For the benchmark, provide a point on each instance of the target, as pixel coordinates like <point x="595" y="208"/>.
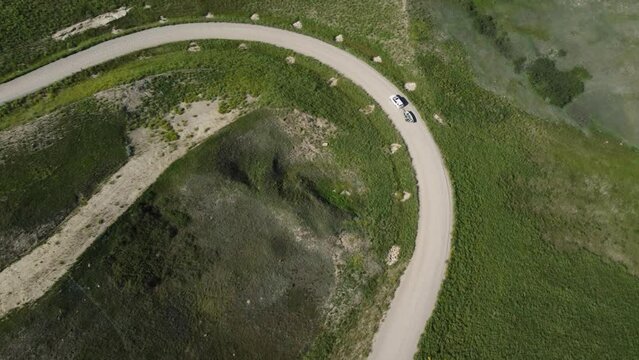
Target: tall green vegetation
<point x="558" y="87"/>
<point x="487" y="26"/>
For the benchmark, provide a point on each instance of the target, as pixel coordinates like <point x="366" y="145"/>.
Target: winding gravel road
<point x="414" y="300"/>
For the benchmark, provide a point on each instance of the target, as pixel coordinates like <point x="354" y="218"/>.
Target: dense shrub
<point x="558" y="87"/>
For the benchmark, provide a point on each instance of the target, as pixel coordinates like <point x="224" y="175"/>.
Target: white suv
<point x="398" y="101"/>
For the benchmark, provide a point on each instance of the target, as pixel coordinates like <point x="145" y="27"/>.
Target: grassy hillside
<point x="249" y="244"/>
<point x="503" y="37"/>
<point x="52" y="165"/>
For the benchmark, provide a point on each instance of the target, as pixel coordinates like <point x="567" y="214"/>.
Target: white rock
<point x="393" y="255"/>
<point x="194" y="47"/>
<point x="377" y="59"/>
<point x="410" y="86"/>
<point x="332" y="82"/>
<point x="116" y="31"/>
<point x="438" y="118"/>
<point x="297" y="24"/>
<point x="209" y="15"/>
<point x="242" y="46"/>
<point x="368" y="109"/>
<point x="147" y="7"/>
<point x="394" y="147"/>
<point x="255" y="17"/>
<point x="339" y="38"/>
<point x="290" y="60"/>
<point x="405" y="196"/>
<point x="163" y="20"/>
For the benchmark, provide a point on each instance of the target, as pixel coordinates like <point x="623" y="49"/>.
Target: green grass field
<point x="221" y="226"/>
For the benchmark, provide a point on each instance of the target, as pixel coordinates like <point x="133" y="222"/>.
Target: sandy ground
<point x="416" y="295"/>
<point x="95" y="22"/>
<point x="31" y="276"/>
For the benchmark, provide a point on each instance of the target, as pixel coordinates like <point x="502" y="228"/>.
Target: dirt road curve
<point x="415" y="298"/>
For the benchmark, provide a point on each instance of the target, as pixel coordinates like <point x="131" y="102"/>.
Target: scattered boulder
<point x="332" y="82"/>
<point x="438" y="118"/>
<point x="163" y="20"/>
<point x="116" y="31"/>
<point x="146" y="7"/>
<point x="339" y="38"/>
<point x="377" y="59"/>
<point x="393" y="255"/>
<point x="255" y="17"/>
<point x="368" y="109"/>
<point x="209" y="15"/>
<point x="290" y="60"/>
<point x="194" y="47"/>
<point x="394" y="147"/>
<point x="405" y="196"/>
<point x="242" y="46"/>
<point x="297" y="24"/>
<point x="410" y="86"/>
<point x="345" y="193"/>
<point x="324" y="144"/>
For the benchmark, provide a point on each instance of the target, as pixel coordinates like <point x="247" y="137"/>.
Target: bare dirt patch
<point x="130" y="95"/>
<point x="312" y="131"/>
<point x="34" y="135"/>
<point x="95" y="22"/>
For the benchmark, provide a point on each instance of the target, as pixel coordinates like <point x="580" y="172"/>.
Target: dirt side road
<point x="414" y="301"/>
